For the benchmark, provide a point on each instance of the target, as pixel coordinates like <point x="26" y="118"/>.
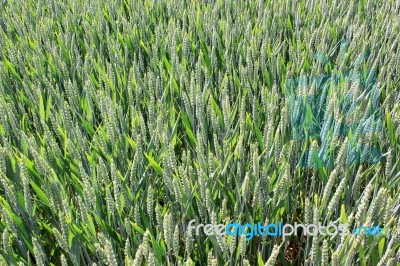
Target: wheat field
<point x="121" y="121"/>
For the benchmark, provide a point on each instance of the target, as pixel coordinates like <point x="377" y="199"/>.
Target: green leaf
<point x="11" y="67"/>
<point x="390" y="129"/>
<point x="167" y="64"/>
<point x="259" y="259"/>
<point x="153" y="164"/>
<point x="71" y="237"/>
<point x="159" y="250"/>
<point x="381" y="246"/>
<point x="361" y="253"/>
<point x="188" y="129"/>
<point x="90" y="225"/>
<point x="343" y="216"/>
<point x="42" y="113"/>
<point x="137" y="228"/>
<point x="39" y="193"/>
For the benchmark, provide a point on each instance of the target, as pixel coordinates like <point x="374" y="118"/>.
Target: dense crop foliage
<point x="121" y="121"/>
